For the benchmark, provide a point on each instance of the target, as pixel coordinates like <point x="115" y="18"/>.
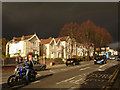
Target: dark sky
<point x="46" y="19"/>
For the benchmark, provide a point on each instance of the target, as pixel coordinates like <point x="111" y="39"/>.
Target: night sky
<point x="46" y="19"/>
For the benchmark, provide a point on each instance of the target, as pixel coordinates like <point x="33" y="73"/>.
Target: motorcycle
<point x="20" y="75"/>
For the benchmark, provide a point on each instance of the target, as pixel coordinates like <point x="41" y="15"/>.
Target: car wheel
<point x="43" y="68"/>
<point x="74" y="64"/>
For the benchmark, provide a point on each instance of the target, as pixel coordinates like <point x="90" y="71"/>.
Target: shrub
<point x="47" y="58"/>
<point x="83" y="58"/>
<point x="58" y="59"/>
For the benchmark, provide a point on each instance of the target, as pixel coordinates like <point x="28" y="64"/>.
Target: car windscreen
<point x="71" y="59"/>
<point x="68" y="59"/>
<point x="99" y="57"/>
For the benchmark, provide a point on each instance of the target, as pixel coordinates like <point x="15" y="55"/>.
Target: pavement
<point x="85" y="75"/>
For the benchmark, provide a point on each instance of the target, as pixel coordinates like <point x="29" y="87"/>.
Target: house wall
<point x="33" y="48"/>
<point x="47" y="50"/>
<point x="16" y="54"/>
<point x="27" y="47"/>
<point x="58" y="50"/>
<point x="63" y="44"/>
<point x="53" y="50"/>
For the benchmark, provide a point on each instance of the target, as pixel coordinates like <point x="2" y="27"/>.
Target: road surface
<point x="85" y="75"/>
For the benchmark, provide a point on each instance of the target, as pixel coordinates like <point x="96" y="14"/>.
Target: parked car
<point x="118" y="59"/>
<point x="39" y="66"/>
<point x="72" y="61"/>
<point x="112" y="58"/>
<point x="100" y="60"/>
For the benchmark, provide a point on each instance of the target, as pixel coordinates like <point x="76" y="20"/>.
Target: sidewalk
<point x="57" y="65"/>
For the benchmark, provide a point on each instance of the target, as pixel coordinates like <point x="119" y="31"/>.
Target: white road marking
<point x="71" y="81"/>
<point x="72" y="88"/>
<point x="52" y="71"/>
<point x="84" y="68"/>
<point x="63" y="69"/>
<point x="78" y="81"/>
<point x="85" y="65"/>
<point x="65" y="80"/>
<point x="100" y="70"/>
<point x="36" y="82"/>
<point x="102" y="65"/>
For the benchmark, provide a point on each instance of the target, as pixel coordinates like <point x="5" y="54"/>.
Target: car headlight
<point x="94" y="60"/>
<point x="71" y="61"/>
<point x="102" y="60"/>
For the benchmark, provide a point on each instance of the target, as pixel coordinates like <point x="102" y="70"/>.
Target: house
<point x="79" y="50"/>
<point x="65" y="47"/>
<point x="85" y="49"/>
<point x="48" y="47"/>
<point x="58" y="48"/>
<point x="68" y="47"/>
<point x="23" y="45"/>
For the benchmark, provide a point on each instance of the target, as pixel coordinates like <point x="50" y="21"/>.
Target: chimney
<point x="22" y="37"/>
<point x="13" y="39"/>
<point x="50" y="38"/>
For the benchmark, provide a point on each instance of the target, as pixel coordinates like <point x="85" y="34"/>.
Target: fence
<point x="9" y="61"/>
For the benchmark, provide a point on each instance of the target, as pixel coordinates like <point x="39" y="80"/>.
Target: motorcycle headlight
<point x="18" y="71"/>
<point x="71" y="61"/>
<point x="94" y="60"/>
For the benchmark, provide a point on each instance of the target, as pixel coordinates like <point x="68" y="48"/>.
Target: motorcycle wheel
<point x="32" y="78"/>
<point x="11" y="81"/>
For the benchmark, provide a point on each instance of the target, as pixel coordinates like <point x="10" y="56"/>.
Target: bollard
<point x="50" y="63"/>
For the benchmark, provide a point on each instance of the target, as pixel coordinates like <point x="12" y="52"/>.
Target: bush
<point x="83" y="58"/>
<point x="58" y="59"/>
<point x="47" y="58"/>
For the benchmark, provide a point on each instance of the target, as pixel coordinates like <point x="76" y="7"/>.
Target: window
<point x="34" y="44"/>
<point x="52" y="46"/>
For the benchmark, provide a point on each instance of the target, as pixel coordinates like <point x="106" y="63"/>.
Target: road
<point x="85" y="75"/>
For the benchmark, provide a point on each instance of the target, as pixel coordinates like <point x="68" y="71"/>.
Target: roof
<point x="45" y="41"/>
<point x="63" y="38"/>
<point x="19" y="38"/>
<point x="56" y="39"/>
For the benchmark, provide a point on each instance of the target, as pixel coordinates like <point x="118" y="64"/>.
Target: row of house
<point x="62" y="47"/>
<point x="106" y="51"/>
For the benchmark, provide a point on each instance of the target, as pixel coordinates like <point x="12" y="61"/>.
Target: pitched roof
<point x="63" y="38"/>
<point x="56" y="39"/>
<point x="20" y="38"/>
<point x="45" y="41"/>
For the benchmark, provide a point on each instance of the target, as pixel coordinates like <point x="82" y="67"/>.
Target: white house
<point x="48" y="47"/>
<point x="23" y="45"/>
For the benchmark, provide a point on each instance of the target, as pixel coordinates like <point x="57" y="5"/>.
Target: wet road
<point x="85" y="75"/>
